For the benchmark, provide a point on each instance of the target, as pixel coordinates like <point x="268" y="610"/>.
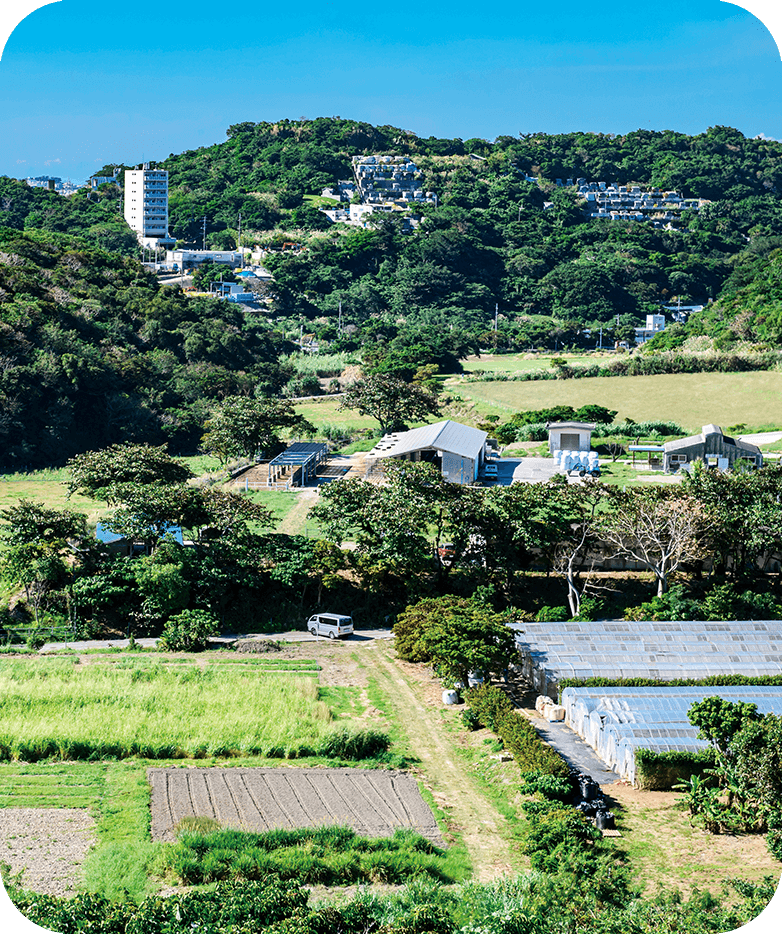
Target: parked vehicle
<point x="330" y="624"/>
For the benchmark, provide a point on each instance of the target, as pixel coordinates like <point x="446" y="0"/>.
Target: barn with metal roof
<point x="458" y="450"/>
<point x="713" y="448"/>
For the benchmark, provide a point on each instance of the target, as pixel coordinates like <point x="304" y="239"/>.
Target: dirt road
<point x="454" y="788"/>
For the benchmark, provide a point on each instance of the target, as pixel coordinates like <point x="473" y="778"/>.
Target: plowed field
<point x="373" y="803"/>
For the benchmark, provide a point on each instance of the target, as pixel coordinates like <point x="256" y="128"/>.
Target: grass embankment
<point x="55" y="708"/>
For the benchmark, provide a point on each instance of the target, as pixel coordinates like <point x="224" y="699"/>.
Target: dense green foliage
<point x="490" y="240"/>
<point x="324" y="855"/>
<point x="743" y="793"/>
<point x="493" y="709"/>
<point x="456" y="635"/>
<point x="536" y="903"/>
<point x="97" y="352"/>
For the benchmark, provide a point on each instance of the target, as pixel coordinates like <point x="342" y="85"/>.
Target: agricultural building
<point x="712" y="448"/>
<point x="661" y="650"/>
<point x="570" y="436"/>
<point x="458" y="450"/>
<point x="616" y="721"/>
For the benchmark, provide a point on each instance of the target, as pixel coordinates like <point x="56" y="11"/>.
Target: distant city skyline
<point x="84" y="84"/>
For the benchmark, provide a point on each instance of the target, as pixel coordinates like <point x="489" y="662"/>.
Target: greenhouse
<point x="661" y="650"/>
<point x="615" y="721"/>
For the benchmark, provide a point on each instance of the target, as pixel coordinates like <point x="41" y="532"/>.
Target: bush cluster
<point x="495" y="711"/>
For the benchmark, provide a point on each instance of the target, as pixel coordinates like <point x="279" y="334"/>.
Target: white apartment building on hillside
<point x="146" y="205"/>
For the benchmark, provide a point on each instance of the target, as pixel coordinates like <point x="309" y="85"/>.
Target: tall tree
<point x="36" y="539"/>
<point x="662" y="529"/>
<point x="390" y="400"/>
<point x="245" y="427"/>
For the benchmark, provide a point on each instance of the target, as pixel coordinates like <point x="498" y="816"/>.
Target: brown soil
<point x="47" y="845"/>
<point x="374" y="803"/>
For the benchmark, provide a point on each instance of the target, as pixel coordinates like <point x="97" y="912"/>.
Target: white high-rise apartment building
<point x="146" y="205"/>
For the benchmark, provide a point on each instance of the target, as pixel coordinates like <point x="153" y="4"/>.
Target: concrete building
<point x="654" y="324"/>
<point x="458" y="450"/>
<point x="186" y="259"/>
<point x="712" y="448"/>
<point x="570" y="436"/>
<point x="146" y="205"/>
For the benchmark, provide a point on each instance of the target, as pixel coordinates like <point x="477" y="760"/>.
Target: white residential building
<point x="146" y="205"/>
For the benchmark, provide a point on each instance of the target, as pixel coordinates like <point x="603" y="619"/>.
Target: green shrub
<point x="556" y="787"/>
<point x="660" y="771"/>
<point x="349" y="743"/>
<point x="552" y="614"/>
<point x="494" y="710"/>
<point x="188" y="631"/>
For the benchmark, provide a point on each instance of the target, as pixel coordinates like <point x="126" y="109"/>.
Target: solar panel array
<point x="615" y="721"/>
<point x="649" y="649"/>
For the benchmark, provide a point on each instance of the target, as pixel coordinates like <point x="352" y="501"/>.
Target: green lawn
<point x="690" y="399"/>
<point x="517" y="362"/>
<point x="50" y="492"/>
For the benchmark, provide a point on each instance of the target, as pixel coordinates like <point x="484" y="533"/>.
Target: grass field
<point x="55" y="708"/>
<point x="516" y="363"/>
<point x="690" y="399"/>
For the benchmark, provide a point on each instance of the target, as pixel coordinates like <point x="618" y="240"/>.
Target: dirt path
<point x="293" y="523"/>
<point x="453" y="787"/>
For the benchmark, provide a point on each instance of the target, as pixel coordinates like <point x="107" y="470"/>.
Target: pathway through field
<point x="294" y="521"/>
<point x="454" y="788"/>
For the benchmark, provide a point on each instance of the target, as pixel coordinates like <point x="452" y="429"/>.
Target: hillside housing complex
<point x="382" y="184"/>
<point x="609" y="201"/>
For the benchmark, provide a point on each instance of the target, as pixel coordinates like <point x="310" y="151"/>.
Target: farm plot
<point x="373" y="803"/>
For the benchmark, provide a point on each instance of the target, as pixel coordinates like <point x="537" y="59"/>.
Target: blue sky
<point x="83" y="83"/>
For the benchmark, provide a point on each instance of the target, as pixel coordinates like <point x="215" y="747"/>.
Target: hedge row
<point x="495" y="711"/>
<point x="643" y="365"/>
<point x="660" y="771"/>
<point x="710" y="681"/>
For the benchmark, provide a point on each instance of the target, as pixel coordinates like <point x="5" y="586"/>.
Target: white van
<point x="330" y="624"/>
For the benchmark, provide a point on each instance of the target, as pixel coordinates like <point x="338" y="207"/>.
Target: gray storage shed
<point x="713" y="448"/>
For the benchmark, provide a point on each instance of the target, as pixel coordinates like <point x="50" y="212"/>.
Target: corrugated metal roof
<point x="442" y="436"/>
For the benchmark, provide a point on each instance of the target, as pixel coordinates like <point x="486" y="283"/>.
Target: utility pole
<point x="239" y="242"/>
<point x="203" y="241"/>
<point x="339" y="321"/>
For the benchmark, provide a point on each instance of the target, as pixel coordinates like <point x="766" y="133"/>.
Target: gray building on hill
<point x="713" y="448"/>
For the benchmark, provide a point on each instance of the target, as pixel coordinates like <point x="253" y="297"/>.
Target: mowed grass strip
<point x="50" y="708"/>
<point x="51" y="785"/>
<point x="690" y="399"/>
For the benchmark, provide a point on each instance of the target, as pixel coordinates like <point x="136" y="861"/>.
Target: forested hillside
<point x="490" y="241"/>
<point x="95" y="351"/>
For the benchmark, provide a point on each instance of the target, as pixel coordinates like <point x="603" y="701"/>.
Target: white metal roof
<point x="442" y="436"/>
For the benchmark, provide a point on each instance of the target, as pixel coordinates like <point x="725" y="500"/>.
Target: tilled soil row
<point x="373" y="803"/>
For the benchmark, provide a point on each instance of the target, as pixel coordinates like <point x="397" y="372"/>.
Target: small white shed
<point x="570" y="436"/>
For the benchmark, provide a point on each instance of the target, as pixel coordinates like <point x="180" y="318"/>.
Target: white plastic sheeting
<point x="661" y="650"/>
<point x="615" y="721"/>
